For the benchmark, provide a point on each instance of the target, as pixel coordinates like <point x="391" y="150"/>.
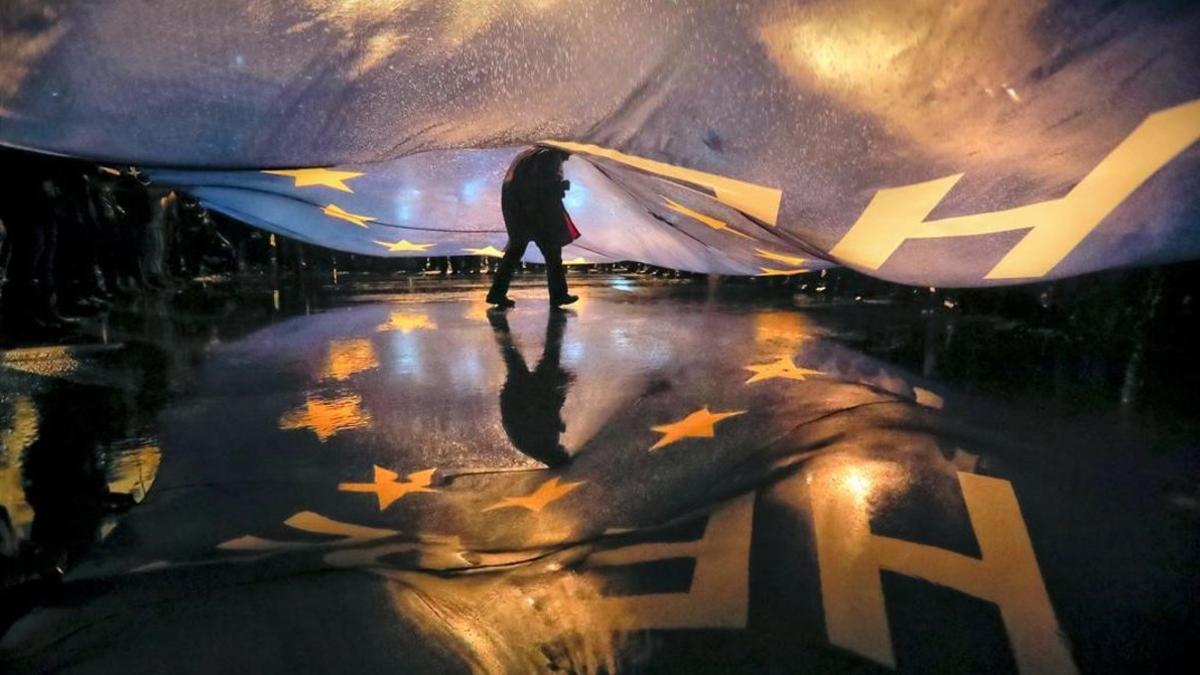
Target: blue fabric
<point x="858" y="133"/>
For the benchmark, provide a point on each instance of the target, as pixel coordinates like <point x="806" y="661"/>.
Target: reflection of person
<point x="531" y="401"/>
<point x="531" y="200"/>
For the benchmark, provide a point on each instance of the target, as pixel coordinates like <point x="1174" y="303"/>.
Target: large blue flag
<point x="971" y="144"/>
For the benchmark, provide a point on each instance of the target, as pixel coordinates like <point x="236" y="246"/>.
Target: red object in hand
<point x="572" y="231"/>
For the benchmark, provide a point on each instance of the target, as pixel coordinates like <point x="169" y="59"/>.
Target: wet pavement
<point x="359" y="483"/>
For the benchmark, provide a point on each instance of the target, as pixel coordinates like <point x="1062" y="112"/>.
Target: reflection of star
<point x="770" y="272"/>
<point x="327" y="417"/>
<point x="786" y="328"/>
<point x="388" y="489"/>
<point x="402" y="245"/>
<point x="784" y="368"/>
<point x="779" y="257"/>
<point x="489" y="251"/>
<point x="335" y="211"/>
<point x="319" y="176"/>
<point x="478" y="310"/>
<point x="348" y="357"/>
<point x="550" y="491"/>
<point x="697" y="425"/>
<point x="406" y="323"/>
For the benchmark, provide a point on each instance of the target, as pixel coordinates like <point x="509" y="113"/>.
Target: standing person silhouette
<point x="531" y="201"/>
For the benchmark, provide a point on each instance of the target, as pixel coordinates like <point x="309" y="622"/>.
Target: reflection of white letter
<point x="850" y="559"/>
<point x="1055" y="227"/>
<point x="719" y="594"/>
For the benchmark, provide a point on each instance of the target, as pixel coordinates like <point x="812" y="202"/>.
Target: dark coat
<point x="531" y="202"/>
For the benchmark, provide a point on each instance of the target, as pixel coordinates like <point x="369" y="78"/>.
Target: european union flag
<point x="757" y="138"/>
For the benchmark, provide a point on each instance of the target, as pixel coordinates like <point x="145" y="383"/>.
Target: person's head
<point x="547" y="168"/>
<point x="555" y="159"/>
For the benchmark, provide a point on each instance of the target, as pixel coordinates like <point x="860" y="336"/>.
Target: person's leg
<point x="508" y="265"/>
<point x="20" y="291"/>
<point x="556" y="275"/>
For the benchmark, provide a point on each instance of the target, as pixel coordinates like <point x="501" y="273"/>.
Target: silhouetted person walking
<point x="531" y="401"/>
<point x="531" y="201"/>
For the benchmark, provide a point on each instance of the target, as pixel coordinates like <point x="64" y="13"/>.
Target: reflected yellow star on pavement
<point x="335" y="211"/>
<point x="545" y="494"/>
<point x="771" y="272"/>
<point x="402" y="245"/>
<point x="784" y="368"/>
<point x="318" y="176"/>
<point x="406" y="323"/>
<point x="349" y="357"/>
<point x="327" y="417"/>
<point x="779" y="257"/>
<point x="489" y="251"/>
<point x="699" y="424"/>
<point x="388" y="489"/>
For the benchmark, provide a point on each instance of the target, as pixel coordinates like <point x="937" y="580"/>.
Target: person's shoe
<point x="501" y="302"/>
<point x="564" y="300"/>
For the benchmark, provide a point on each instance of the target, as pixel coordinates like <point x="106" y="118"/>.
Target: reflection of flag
<point x="371" y="443"/>
<point x="818" y="139"/>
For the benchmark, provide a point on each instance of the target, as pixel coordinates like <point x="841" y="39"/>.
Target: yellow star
<point x="784" y="368"/>
<point x="575" y="261"/>
<point x="490" y="251"/>
<point x="702" y="218"/>
<point x="406" y="323"/>
<point x="699" y="424"/>
<point x="387" y="489"/>
<point x="327" y="417"/>
<point x="779" y="257"/>
<point x="550" y="491"/>
<point x="769" y="272"/>
<point x="402" y="245"/>
<point x="319" y="176"/>
<point x="335" y="211"/>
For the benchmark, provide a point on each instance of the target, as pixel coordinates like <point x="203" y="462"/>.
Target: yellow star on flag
<point x="784" y="368"/>
<point x="406" y="323"/>
<point x="546" y="493"/>
<point x="388" y="489"/>
<point x="779" y="257"/>
<point x="335" y="211"/>
<point x="402" y="245"/>
<point x="575" y="261"/>
<point x="318" y="176"/>
<point x="769" y="272"/>
<point x="699" y="424"/>
<point x="489" y="251"/>
<point x="702" y="218"/>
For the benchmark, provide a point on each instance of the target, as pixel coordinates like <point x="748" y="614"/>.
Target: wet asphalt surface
<point x="667" y="477"/>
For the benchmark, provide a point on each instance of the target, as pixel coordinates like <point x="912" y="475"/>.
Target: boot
<point x="500" y="301"/>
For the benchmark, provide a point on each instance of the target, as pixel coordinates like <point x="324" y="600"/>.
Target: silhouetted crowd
<point x="76" y="238"/>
